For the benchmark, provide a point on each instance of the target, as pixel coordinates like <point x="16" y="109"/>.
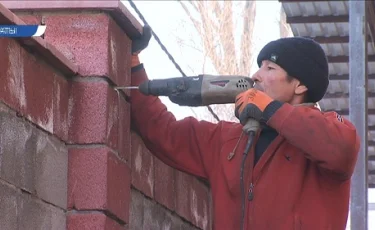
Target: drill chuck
<point x="144" y="88"/>
<point x="163" y="87"/>
<point x="185" y="91"/>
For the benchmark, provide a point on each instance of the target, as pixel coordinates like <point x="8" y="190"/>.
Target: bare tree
<point x="226" y="43"/>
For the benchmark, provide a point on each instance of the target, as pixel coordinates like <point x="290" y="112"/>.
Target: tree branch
<point x="227" y="39"/>
<point x="195" y="22"/>
<point x="249" y="13"/>
<point x="208" y="35"/>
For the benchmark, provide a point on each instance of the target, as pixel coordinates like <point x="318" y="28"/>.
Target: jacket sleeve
<point x="188" y="144"/>
<point x="325" y="138"/>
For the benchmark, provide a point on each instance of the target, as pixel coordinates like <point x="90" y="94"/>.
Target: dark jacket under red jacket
<point x="301" y="182"/>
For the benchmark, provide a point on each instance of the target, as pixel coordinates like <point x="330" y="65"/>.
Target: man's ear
<point x="300" y="88"/>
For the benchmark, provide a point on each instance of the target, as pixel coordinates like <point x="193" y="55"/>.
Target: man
<point x="297" y="175"/>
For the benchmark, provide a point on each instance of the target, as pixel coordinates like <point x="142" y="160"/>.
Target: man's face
<point x="273" y="80"/>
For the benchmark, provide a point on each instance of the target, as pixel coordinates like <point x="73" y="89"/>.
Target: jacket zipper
<point x="250" y="195"/>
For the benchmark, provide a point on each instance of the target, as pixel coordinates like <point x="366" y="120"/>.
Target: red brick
<point x="97" y="180"/>
<point x="124" y="142"/>
<point x="113" y="118"/>
<point x="12" y="74"/>
<point x="82" y="38"/>
<point x="61" y="91"/>
<point x="119" y="46"/>
<point x="33" y="88"/>
<point x="119" y="187"/>
<point x="88" y="112"/>
<point x="92" y="41"/>
<point x="92" y="221"/>
<point x="183" y="194"/>
<point x="199" y="204"/>
<point x="164" y="184"/>
<point x="94" y="114"/>
<point x="142" y="165"/>
<point x="38" y="91"/>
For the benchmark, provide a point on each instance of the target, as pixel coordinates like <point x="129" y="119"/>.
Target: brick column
<point x="114" y="182"/>
<point x="96" y="36"/>
<point x="33" y="117"/>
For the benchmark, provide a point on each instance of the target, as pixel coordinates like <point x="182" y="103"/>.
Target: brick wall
<point x="68" y="158"/>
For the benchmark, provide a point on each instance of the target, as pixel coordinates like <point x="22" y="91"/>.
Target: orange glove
<point x="251" y="104"/>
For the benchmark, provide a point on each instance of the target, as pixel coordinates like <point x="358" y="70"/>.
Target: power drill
<point x="201" y="90"/>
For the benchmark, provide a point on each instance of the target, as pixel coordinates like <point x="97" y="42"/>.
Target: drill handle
<point x="251" y="125"/>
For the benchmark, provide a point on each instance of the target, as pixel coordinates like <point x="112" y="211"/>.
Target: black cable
<point x="245" y="153"/>
<point x="157" y="38"/>
<point x="167" y="52"/>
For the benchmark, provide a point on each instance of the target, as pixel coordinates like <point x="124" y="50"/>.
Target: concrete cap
<point x="118" y="11"/>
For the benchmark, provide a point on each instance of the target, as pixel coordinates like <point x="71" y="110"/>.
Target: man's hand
<point x="141" y="43"/>
<point x="251" y="104"/>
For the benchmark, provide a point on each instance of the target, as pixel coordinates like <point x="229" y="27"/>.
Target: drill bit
<point x="126" y="87"/>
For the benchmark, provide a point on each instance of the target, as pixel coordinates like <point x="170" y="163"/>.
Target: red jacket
<point x="301" y="182"/>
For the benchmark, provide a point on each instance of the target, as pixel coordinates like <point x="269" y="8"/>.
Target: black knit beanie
<point x="303" y="59"/>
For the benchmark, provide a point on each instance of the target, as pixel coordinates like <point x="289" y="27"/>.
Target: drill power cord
<point x="167" y="52"/>
<point x="243" y="195"/>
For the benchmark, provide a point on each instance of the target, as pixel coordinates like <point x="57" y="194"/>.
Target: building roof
<point x="327" y="22"/>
